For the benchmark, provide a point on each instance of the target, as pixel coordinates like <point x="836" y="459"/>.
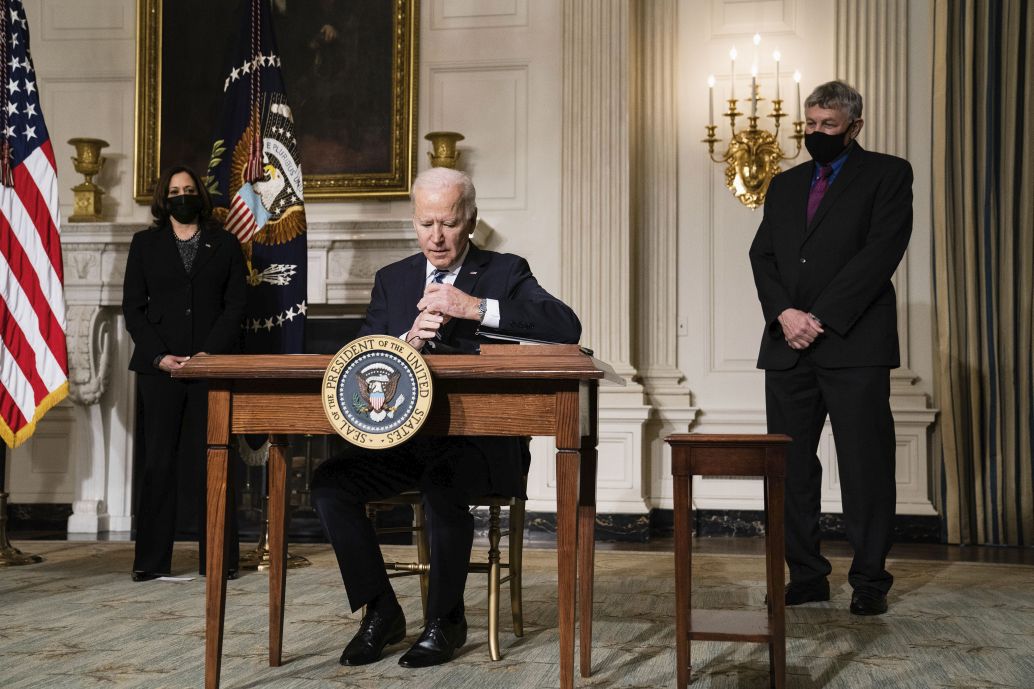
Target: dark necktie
<point x="818" y="190"/>
<point x="439" y="277"/>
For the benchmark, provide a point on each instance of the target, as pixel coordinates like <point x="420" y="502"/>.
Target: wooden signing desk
<point x="506" y="390"/>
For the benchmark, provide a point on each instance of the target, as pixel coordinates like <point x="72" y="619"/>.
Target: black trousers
<point x="857" y="401"/>
<point x="171" y="494"/>
<point x="449" y="472"/>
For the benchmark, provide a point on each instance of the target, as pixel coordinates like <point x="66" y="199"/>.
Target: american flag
<point x="33" y="357"/>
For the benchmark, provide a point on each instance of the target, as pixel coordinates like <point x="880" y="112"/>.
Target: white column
<point x="872" y="56"/>
<point x="872" y="39"/>
<point x="654" y="189"/>
<point x="599" y="275"/>
<point x="596" y="240"/>
<point x="120" y="403"/>
<point x="655" y="199"/>
<point x="89" y="351"/>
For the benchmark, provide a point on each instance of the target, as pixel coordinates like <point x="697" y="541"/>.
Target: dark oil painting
<point x="341" y="65"/>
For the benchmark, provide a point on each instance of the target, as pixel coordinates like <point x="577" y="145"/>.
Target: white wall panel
<point x="500" y="86"/>
<point x="735" y="17"/>
<point x="92" y="109"/>
<point x="489" y="105"/>
<point x="478" y="14"/>
<point x="43" y="468"/>
<point x="82" y="39"/>
<point x="717" y="298"/>
<point x="86" y="20"/>
<point x="734" y="311"/>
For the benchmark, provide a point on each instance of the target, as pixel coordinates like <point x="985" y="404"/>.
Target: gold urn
<point x="88" y="162"/>
<point x="443" y="151"/>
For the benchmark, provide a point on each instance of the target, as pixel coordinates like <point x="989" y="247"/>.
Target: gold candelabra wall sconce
<point x="443" y="151"/>
<point x="87" y="162"/>
<point x="753" y="155"/>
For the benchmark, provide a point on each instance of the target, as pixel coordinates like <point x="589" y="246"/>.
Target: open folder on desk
<point x="501" y="336"/>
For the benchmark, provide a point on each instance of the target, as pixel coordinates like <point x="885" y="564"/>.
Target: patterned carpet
<point x="78" y="621"/>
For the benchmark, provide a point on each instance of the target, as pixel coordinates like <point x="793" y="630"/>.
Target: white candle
<point x="754" y="90"/>
<point x="710" y="100"/>
<point x="776" y="56"/>
<point x="732" y="73"/>
<point x="797" y="80"/>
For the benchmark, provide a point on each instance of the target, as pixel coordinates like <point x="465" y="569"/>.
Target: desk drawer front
<point x="457" y="410"/>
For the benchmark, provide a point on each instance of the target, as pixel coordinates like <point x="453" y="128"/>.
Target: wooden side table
<point x="729" y="455"/>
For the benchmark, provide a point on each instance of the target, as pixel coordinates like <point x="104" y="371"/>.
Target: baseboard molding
<point x="751" y="523"/>
<point x="38" y="517"/>
<point x="539" y="526"/>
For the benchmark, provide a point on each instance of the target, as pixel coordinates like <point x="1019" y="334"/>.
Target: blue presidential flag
<point x="255" y="180"/>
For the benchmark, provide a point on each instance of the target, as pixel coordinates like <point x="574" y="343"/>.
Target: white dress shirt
<point x="491" y="318"/>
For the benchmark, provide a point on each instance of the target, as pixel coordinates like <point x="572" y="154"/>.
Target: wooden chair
<point x="493" y="567"/>
<point x="694" y="454"/>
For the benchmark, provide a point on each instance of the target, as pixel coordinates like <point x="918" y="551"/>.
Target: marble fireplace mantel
<point x="94" y="430"/>
<point x="343" y="257"/>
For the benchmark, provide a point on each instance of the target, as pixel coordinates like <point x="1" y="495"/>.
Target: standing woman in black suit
<point x="184" y="294"/>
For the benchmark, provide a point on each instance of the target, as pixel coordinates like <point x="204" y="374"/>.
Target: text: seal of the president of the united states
<point x="377" y="391"/>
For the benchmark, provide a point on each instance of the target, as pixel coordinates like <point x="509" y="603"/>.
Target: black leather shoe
<point x="439" y="642"/>
<point x="146" y="576"/>
<point x="811" y="592"/>
<point x="375" y="632"/>
<point x="868" y="602"/>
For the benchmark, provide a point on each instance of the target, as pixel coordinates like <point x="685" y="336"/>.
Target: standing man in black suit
<point x="435" y="299"/>
<point x="833" y="233"/>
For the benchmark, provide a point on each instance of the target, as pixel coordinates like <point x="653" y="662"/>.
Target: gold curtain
<point x="983" y="227"/>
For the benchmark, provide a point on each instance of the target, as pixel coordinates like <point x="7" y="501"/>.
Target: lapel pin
<point x="208" y="246"/>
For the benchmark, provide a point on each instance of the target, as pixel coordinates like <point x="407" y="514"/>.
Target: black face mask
<point x="825" y="148"/>
<point x="185" y="207"/>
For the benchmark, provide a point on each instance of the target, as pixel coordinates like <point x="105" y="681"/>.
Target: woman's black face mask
<point x="185" y="208"/>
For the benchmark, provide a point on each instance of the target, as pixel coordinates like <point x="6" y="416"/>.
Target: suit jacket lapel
<point x="167" y="246"/>
<point x="413" y="286"/>
<point x="470" y="272"/>
<point x="852" y="166"/>
<point x="471" y="269"/>
<point x="206" y="248"/>
<point x="800" y="185"/>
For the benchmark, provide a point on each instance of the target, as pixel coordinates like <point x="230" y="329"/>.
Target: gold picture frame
<point x="359" y="158"/>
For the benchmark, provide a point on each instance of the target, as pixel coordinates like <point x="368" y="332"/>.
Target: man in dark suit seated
<point x="834" y="231"/>
<point x="436" y="298"/>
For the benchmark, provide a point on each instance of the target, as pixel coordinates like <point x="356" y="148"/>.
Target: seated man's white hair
<point x="437" y="178"/>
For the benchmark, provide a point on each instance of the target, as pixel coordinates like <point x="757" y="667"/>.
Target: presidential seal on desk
<point x="377" y="391"/>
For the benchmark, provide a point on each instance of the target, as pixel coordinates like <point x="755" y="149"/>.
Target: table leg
<point x="775" y="547"/>
<point x="567" y="462"/>
<point x="277" y="472"/>
<point x="682" y="504"/>
<point x="216" y="504"/>
<point x="586" y="555"/>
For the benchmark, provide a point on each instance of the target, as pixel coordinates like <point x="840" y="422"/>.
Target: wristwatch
<point x="482" y="309"/>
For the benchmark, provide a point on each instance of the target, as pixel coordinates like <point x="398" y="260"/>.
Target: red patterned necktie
<point x="818" y="190"/>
